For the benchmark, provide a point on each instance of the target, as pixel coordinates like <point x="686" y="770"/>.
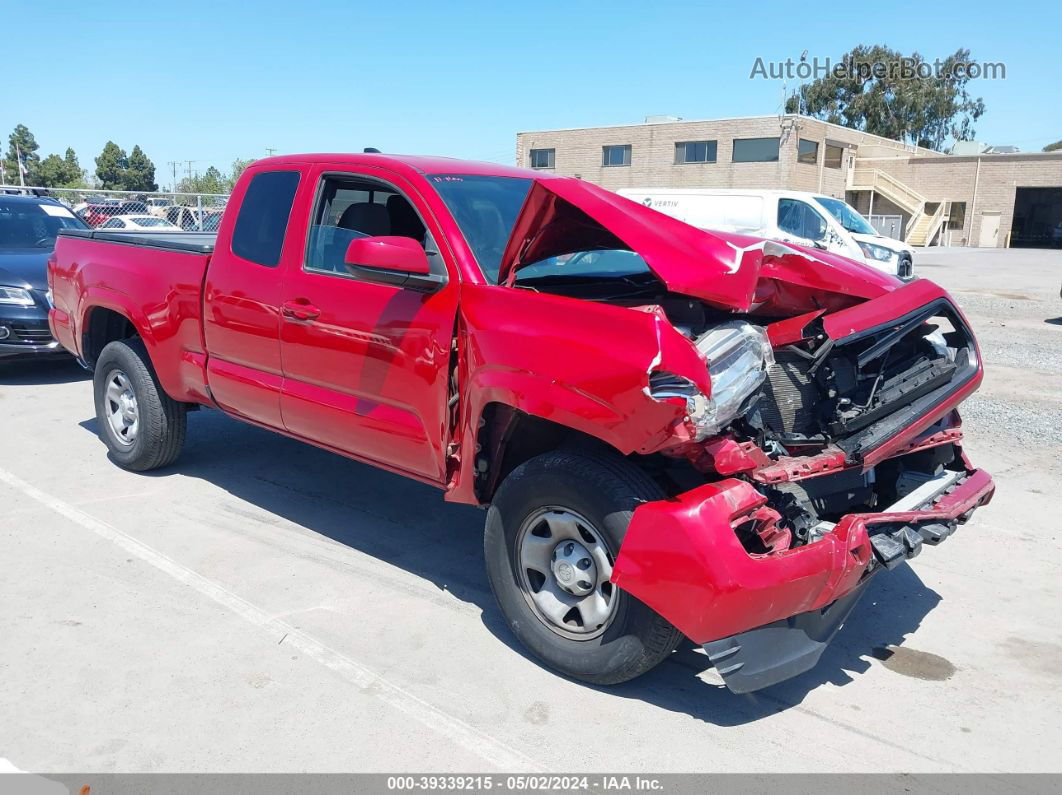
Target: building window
<point x="808" y="152"/>
<point x="619" y="155"/>
<point x="834" y="156"/>
<point x="957" y="216"/>
<point x="755" y="150"/>
<point x="543" y="158"/>
<point x="695" y="151"/>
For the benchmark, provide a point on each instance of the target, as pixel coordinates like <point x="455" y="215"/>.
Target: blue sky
<point x="213" y="81"/>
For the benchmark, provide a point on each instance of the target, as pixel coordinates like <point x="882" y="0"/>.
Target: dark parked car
<point x="28" y="228"/>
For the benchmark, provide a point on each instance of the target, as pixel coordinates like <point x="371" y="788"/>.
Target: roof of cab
<point x="424" y="164"/>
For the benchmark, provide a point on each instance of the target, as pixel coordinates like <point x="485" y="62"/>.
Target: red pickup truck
<point x="676" y="432"/>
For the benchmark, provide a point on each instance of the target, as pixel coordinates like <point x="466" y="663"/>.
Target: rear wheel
<point x="553" y="532"/>
<point x="141" y="425"/>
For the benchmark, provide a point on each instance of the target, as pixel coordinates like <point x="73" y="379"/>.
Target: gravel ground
<point x="1027" y="423"/>
<point x="1011" y="298"/>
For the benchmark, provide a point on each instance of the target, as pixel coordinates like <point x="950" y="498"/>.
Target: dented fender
<point x="576" y="363"/>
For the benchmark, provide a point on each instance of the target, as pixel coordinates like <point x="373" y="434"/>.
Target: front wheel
<point x="552" y="535"/>
<point x="141" y="425"/>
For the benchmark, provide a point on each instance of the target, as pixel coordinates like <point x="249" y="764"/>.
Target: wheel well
<point x="508" y="437"/>
<point x="104" y="326"/>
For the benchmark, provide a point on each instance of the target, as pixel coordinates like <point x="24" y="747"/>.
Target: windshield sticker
<point x="56" y="210"/>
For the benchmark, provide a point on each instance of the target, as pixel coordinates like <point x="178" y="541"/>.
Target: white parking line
<point x="494" y="751"/>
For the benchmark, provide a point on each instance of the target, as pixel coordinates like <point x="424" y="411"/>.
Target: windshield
<point x="846" y="216"/>
<point x="580" y="265"/>
<point x="485" y="209"/>
<point x="29" y="225"/>
<point x="150" y="220"/>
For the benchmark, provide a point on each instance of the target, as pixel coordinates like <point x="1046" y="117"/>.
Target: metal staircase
<point x="922" y="226"/>
<point x="922" y="231"/>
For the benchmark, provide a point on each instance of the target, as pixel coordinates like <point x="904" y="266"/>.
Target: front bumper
<point x="25" y="332"/>
<point x="905" y="267"/>
<point x="16" y="350"/>
<point x="683" y="558"/>
<point x="781" y="650"/>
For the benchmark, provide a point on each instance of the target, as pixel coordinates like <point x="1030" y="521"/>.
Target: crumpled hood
<point x="738" y="272"/>
<point x="27" y="268"/>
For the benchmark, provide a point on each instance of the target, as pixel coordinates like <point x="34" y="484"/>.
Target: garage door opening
<point x="1037" y="218"/>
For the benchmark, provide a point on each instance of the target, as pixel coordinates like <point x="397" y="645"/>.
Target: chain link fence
<point x="136" y="210"/>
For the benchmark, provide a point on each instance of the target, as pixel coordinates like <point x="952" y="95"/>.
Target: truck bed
<point x="154" y="279"/>
<point x="193" y="242"/>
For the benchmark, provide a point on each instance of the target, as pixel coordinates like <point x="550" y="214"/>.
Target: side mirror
<point x="397" y="261"/>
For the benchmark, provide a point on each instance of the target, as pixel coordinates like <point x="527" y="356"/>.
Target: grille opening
<point x="853" y="387"/>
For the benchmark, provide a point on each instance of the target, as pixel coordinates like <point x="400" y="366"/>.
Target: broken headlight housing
<point x="738" y="355"/>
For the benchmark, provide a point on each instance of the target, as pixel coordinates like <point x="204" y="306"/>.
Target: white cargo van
<point x="788" y="216"/>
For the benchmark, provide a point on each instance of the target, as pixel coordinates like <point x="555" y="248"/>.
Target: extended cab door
<point x="366" y="364"/>
<point x="242" y="296"/>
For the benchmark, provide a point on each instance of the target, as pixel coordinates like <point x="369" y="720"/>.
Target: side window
<point x="798" y="218"/>
<point x="263" y="218"/>
<point x="349" y="208"/>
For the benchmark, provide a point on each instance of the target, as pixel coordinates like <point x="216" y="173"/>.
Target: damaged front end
<point x="834" y="454"/>
<point x="799" y="410"/>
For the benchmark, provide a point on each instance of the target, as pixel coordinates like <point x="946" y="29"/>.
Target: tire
<point x="155" y="425"/>
<point x="601" y="491"/>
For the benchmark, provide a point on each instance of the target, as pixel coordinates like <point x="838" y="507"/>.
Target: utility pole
<point x="173" y="167"/>
<point x="18" y="165"/>
<point x="189" y="166"/>
<point x="270" y="150"/>
<point x="800" y="99"/>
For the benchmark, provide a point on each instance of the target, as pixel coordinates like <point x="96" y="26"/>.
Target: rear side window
<point x="263" y="218"/>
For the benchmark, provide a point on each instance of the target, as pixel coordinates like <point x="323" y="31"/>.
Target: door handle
<point x="299" y="309"/>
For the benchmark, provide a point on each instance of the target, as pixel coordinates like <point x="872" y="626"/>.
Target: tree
<point x="74" y="172"/>
<point x="238" y="167"/>
<point x="139" y="172"/>
<point x="111" y="167"/>
<point x="50" y="172"/>
<point x="1053" y="147"/>
<point x="60" y="172"/>
<point x="210" y="181"/>
<point x="213" y="180"/>
<point x="21" y="141"/>
<point x="908" y="98"/>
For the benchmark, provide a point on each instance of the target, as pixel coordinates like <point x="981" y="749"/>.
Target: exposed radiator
<point x="790" y="396"/>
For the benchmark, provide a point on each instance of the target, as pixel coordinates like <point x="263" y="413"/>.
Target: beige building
<point x="916" y="194"/>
